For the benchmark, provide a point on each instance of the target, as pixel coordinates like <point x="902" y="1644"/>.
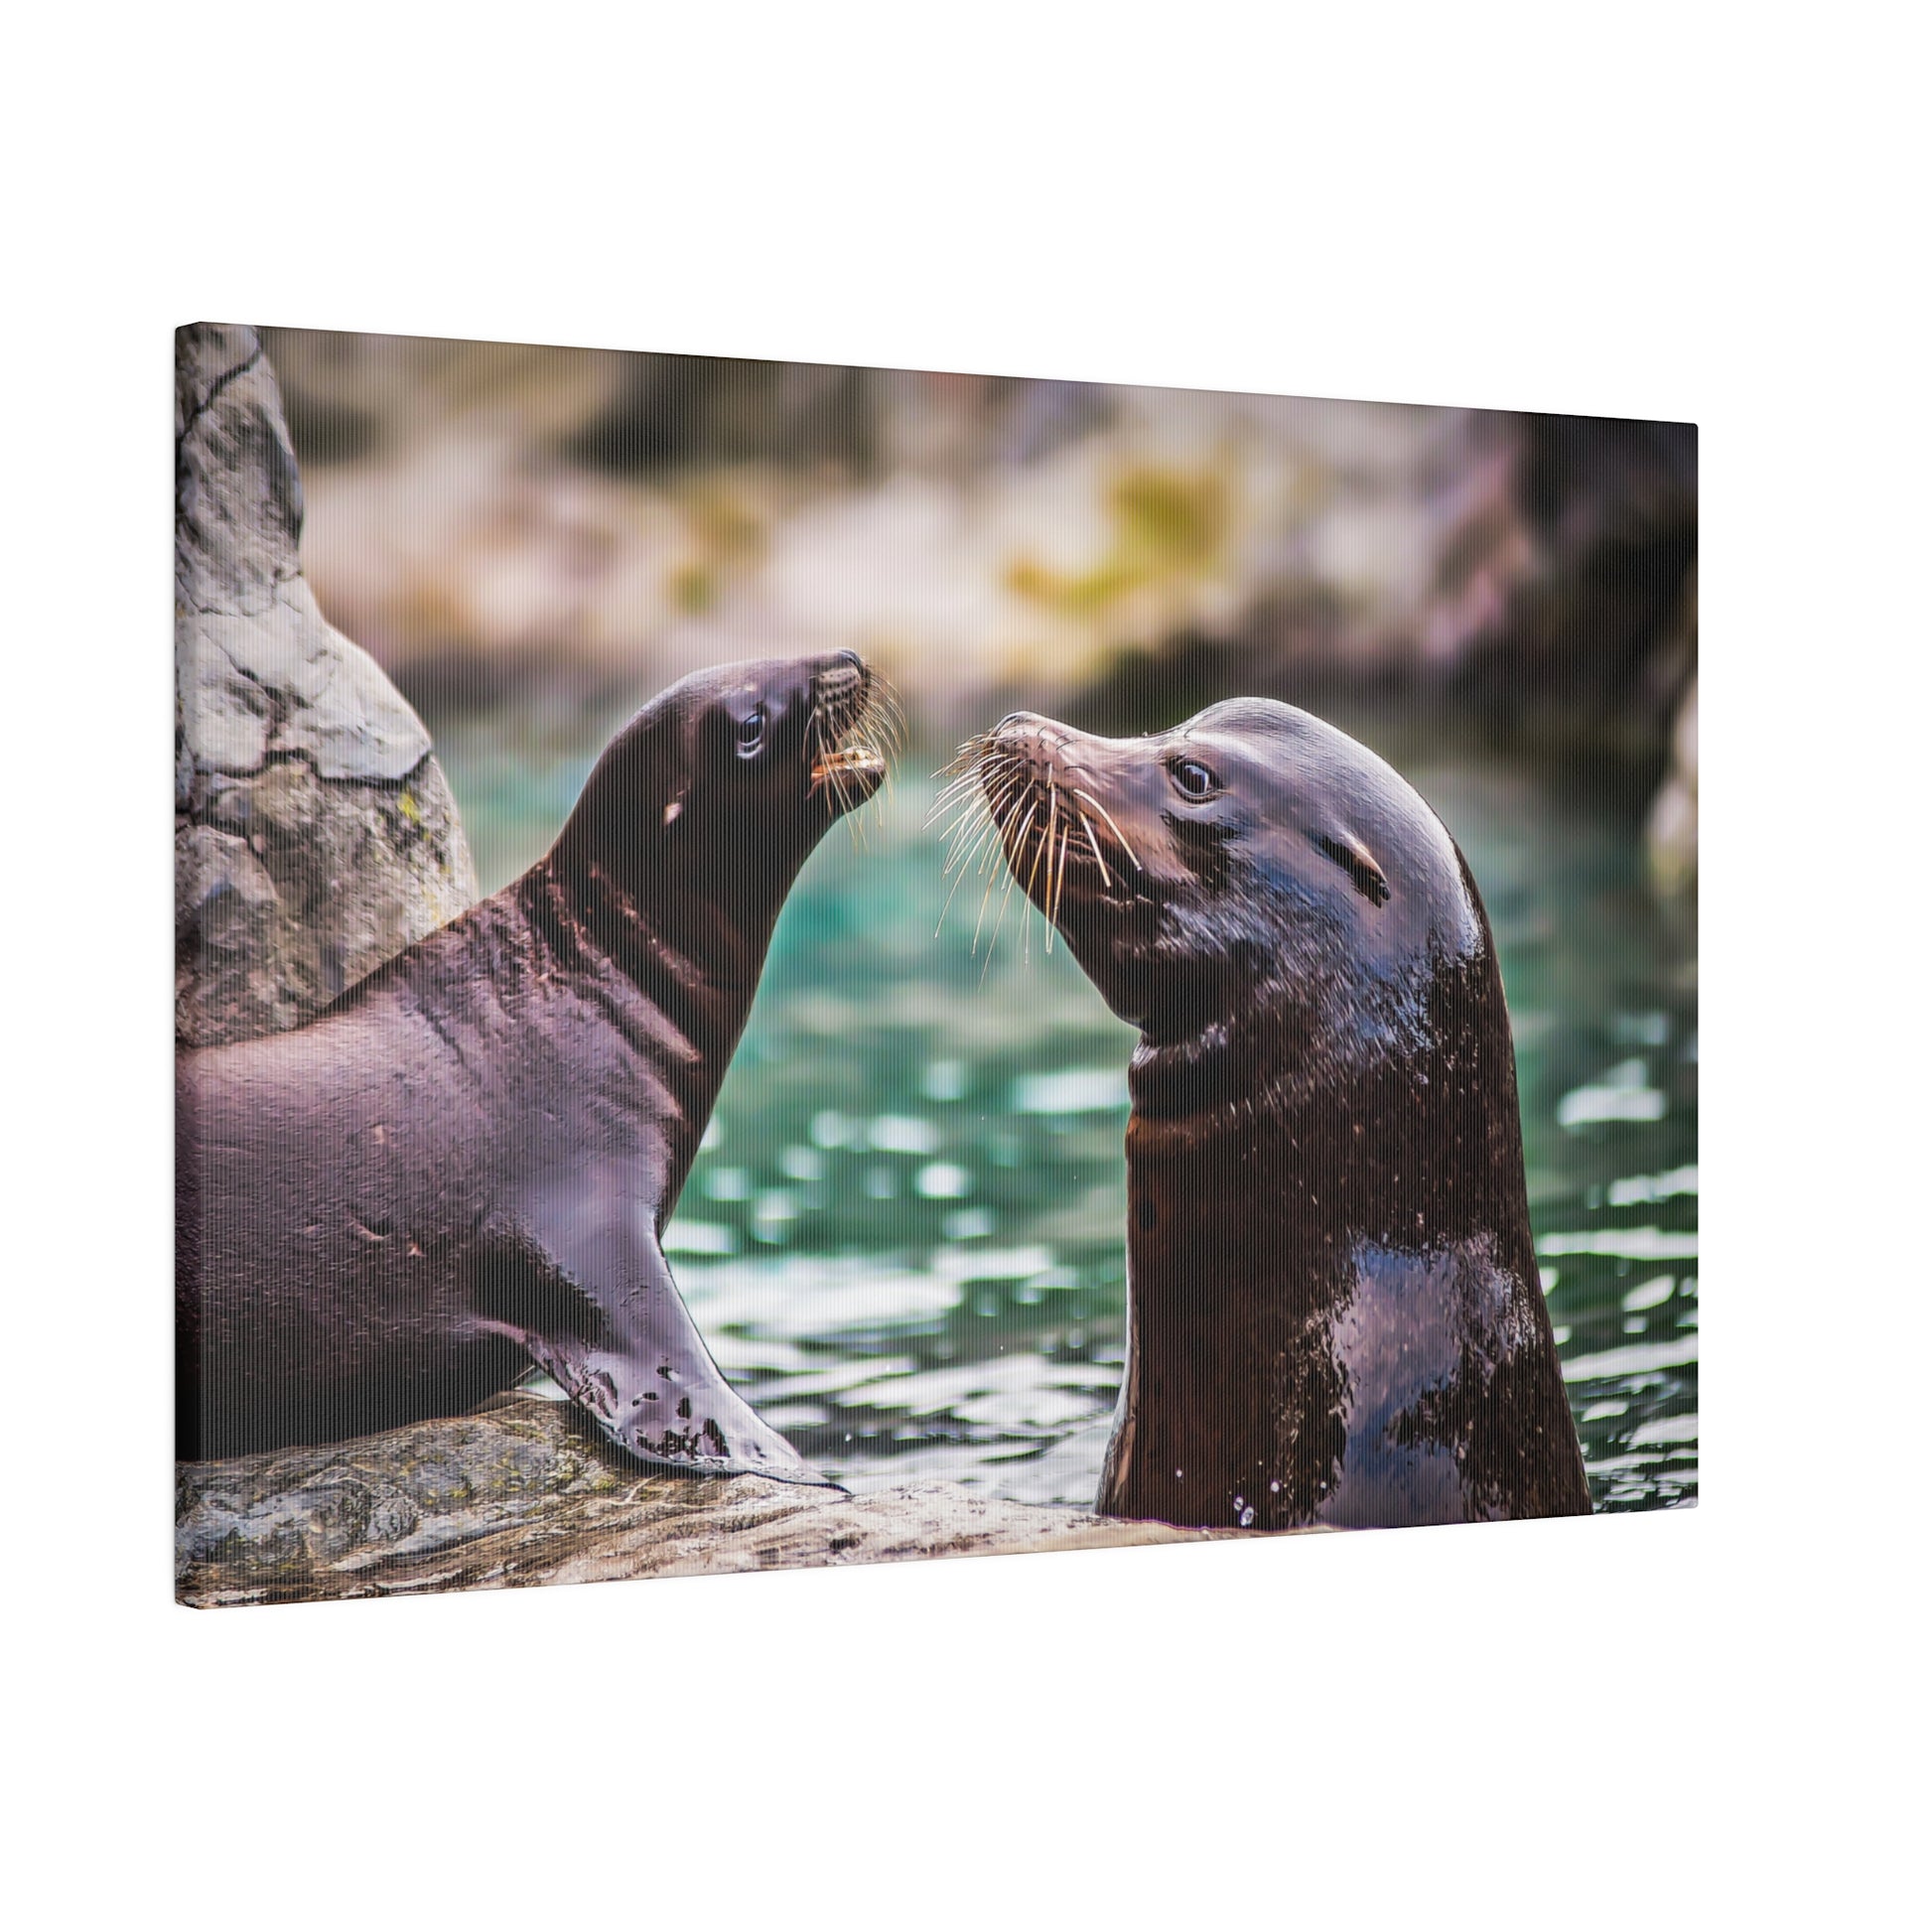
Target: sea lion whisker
<point x="1046" y="845"/>
<point x="828" y="763"/>
<point x="982" y="771"/>
<point x="983" y="775"/>
<point x="992" y="944"/>
<point x="1004" y="793"/>
<point x="986" y="808"/>
<point x="990" y="793"/>
<point x="1020" y="837"/>
<point x="964" y="786"/>
<point x="1012" y="876"/>
<point x="963" y="811"/>
<point x="968" y="757"/>
<point x="958" y="833"/>
<point x="1056" y="886"/>
<point x="834" y="768"/>
<point x="992" y="879"/>
<point x="1087" y="825"/>
<point x="980" y="847"/>
<point x="1007" y="803"/>
<point x="959" y="869"/>
<point x="1109" y="817"/>
<point x="882" y="724"/>
<point x="885" y="697"/>
<point x="967" y="816"/>
<point x="1040" y="852"/>
<point x="974" y="827"/>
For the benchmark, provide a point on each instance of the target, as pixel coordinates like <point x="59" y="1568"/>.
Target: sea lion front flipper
<point x="646" y="1375"/>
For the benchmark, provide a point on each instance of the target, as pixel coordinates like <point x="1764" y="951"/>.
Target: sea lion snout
<point x="1050" y="757"/>
<point x="1067" y="811"/>
<point x="850" y="732"/>
<point x="1038" y="745"/>
<point x="842" y="676"/>
<point x="1081" y="804"/>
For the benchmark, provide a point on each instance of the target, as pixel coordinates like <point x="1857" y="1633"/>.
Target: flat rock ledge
<point x="522" y="1493"/>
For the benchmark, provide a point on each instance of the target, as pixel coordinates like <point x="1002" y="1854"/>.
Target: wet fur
<point x="1334" y="1308"/>
<point x="463" y="1165"/>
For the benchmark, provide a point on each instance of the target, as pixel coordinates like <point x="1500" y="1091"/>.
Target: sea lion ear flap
<point x="1358" y="862"/>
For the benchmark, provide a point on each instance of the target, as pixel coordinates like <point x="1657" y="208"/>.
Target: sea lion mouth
<point x="852" y="737"/>
<point x="859" y="760"/>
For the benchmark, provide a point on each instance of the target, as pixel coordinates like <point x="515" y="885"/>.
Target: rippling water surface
<point x="902" y="1237"/>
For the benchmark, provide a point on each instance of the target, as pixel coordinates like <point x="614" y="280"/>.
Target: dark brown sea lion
<point x="1334" y="1310"/>
<point x="463" y="1165"/>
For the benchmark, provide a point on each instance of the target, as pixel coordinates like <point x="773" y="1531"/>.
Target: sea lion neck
<point x="1215" y="1074"/>
<point x="1258" y="1181"/>
<point x="695" y="958"/>
<point x="650" y="871"/>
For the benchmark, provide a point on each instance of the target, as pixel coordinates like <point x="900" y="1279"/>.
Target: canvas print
<point x="781" y="964"/>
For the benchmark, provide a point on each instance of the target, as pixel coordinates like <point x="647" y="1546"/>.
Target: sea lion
<point x="463" y="1165"/>
<point x="1334" y="1310"/>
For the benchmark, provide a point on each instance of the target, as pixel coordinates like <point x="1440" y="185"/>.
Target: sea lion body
<point x="465" y="1164"/>
<point x="1335" y="1310"/>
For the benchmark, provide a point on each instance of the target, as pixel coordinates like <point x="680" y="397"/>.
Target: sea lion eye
<point x="750" y="731"/>
<point x="1192" y="780"/>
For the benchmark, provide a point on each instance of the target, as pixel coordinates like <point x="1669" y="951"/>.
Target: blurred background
<point x="904" y="1236"/>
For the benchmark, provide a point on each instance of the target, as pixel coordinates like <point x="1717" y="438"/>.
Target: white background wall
<point x="1647" y="211"/>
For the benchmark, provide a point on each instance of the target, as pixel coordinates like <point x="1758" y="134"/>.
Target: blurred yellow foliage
<point x="1167" y="524"/>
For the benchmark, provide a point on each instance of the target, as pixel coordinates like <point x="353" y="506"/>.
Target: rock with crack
<point x="523" y="1492"/>
<point x="314" y="835"/>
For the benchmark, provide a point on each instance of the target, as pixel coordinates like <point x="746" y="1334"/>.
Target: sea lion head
<point x="1251" y="877"/>
<point x="724" y="783"/>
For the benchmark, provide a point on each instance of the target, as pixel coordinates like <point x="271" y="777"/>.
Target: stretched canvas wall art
<point x="782" y="964"/>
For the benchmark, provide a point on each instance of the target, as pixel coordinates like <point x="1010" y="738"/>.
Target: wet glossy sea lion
<point x="1335" y="1310"/>
<point x="465" y="1163"/>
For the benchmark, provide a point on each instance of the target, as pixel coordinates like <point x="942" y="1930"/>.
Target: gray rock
<point x="314" y="835"/>
<point x="524" y="1492"/>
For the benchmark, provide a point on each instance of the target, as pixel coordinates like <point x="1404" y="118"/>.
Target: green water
<point x="902" y="1237"/>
